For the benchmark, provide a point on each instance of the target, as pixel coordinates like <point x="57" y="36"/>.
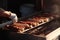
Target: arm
<point x="10" y="15"/>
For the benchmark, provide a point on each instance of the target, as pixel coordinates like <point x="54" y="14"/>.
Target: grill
<point x="27" y="24"/>
<point x="40" y="24"/>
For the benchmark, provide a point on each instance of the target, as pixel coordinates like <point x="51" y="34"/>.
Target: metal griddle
<point x="39" y="26"/>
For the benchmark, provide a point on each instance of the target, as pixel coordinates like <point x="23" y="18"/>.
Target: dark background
<point x="13" y="5"/>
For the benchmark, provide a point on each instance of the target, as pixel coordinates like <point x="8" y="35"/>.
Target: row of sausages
<point x="30" y="23"/>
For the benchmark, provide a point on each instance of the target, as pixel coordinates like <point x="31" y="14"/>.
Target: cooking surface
<point x="47" y="28"/>
<point x="23" y="27"/>
<point x="32" y="22"/>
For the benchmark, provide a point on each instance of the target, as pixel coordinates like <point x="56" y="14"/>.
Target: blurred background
<point x="21" y="7"/>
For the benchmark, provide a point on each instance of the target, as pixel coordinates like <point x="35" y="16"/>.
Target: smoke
<point x="56" y="7"/>
<point x="53" y="7"/>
